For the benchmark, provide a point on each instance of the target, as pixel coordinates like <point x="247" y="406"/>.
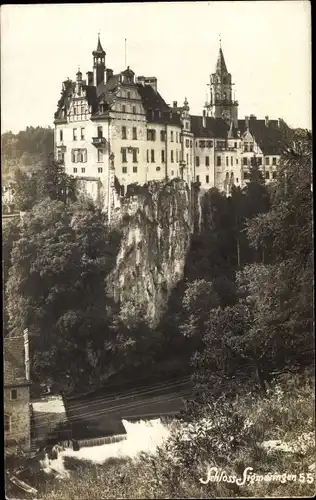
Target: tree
<point x="25" y="191"/>
<point x="56" y="289"/>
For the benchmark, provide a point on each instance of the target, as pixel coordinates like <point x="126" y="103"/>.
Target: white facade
<point x="119" y="125"/>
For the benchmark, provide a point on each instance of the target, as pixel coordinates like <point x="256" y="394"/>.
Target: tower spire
<point x="220" y="64"/>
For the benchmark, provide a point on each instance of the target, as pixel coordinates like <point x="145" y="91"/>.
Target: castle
<point x="117" y="127"/>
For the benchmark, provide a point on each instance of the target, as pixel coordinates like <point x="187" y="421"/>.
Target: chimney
<point x="279" y="122"/>
<point x="26" y="354"/>
<point x="253" y="117"/>
<point x="204" y="119"/>
<point x="247" y="122"/>
<point x="266" y="120"/>
<point x="175" y="104"/>
<point x="89" y="78"/>
<point x="108" y="74"/>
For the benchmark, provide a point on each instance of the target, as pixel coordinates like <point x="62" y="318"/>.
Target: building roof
<point x="14" y="362"/>
<point x="220" y="64"/>
<point x="156" y="108"/>
<point x="99" y="48"/>
<point x="271" y="138"/>
<point x="215" y="127"/>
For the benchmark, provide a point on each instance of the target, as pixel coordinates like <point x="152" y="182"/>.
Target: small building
<point x="17" y="416"/>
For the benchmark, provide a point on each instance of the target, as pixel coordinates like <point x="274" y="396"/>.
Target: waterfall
<point x="141" y="436"/>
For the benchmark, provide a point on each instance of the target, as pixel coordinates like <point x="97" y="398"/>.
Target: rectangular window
<point x="123" y="108"/>
<point x="61" y="135"/>
<point x="135" y="156"/>
<point x="207" y="161"/>
<point x="134" y="133"/>
<point x="273" y="175"/>
<point x="100" y="132"/>
<point x="162" y="135"/>
<point x="274" y="161"/>
<point x="128" y="95"/>
<point x="245" y="161"/>
<point x="227" y="161"/>
<point x="231" y="160"/>
<point x="135" y="170"/>
<point x="197" y="161"/>
<point x="152" y="156"/>
<point x="100" y="155"/>
<point x="259" y="160"/>
<point x="124" y="155"/>
<point x="124" y="170"/>
<point x="267" y="175"/>
<point x="267" y="161"/>
<point x="162" y="156"/>
<point x="236" y="161"/>
<point x="207" y="179"/>
<point x="124" y="136"/>
<point x="197" y="178"/>
<point x="151" y="135"/>
<point x="218" y="161"/>
<point x="75" y="170"/>
<point x="235" y="145"/>
<point x="177" y="137"/>
<point x="172" y="159"/>
<point x="187" y="143"/>
<point x="237" y="180"/>
<point x="79" y="156"/>
<point x="100" y="170"/>
<point x="134" y="110"/>
<point x="74" y="134"/>
<point x="209" y="144"/>
<point x="246" y="175"/>
<point x="251" y="147"/>
<point x="73" y="156"/>
<point x="252" y="161"/>
<point x="187" y="158"/>
<point x="83" y="170"/>
<point x="82" y="134"/>
<point x="202" y="144"/>
<point x="246" y="147"/>
<point x="14" y="394"/>
<point x="177" y="156"/>
<point x="147" y="155"/>
<point x="171" y="136"/>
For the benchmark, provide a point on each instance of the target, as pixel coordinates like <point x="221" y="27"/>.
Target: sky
<point x="266" y="45"/>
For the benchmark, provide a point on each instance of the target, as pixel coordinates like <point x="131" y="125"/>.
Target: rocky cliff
<point x="155" y="227"/>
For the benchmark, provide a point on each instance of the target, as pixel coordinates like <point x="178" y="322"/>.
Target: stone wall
<point x="19" y="411"/>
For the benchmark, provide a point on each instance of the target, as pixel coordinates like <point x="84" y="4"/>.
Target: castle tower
<point x="222" y="104"/>
<point x="98" y="64"/>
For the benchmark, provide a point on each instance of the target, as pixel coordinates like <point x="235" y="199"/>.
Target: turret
<point x="98" y="64"/>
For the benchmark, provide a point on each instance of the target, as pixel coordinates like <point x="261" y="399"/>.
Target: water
<point x="142" y="436"/>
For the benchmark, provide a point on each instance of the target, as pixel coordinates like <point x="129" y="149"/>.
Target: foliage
<point x="56" y="289"/>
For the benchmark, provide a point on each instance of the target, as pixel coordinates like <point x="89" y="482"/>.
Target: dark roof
<point x="220" y="64"/>
<point x="99" y="48"/>
<point x="215" y="127"/>
<point x="271" y="138"/>
<point x="156" y="108"/>
<point x="14" y="362"/>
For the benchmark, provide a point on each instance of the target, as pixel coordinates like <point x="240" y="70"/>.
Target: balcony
<point x="99" y="142"/>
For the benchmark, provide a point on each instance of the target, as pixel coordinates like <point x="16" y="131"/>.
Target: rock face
<point x="156" y="227"/>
